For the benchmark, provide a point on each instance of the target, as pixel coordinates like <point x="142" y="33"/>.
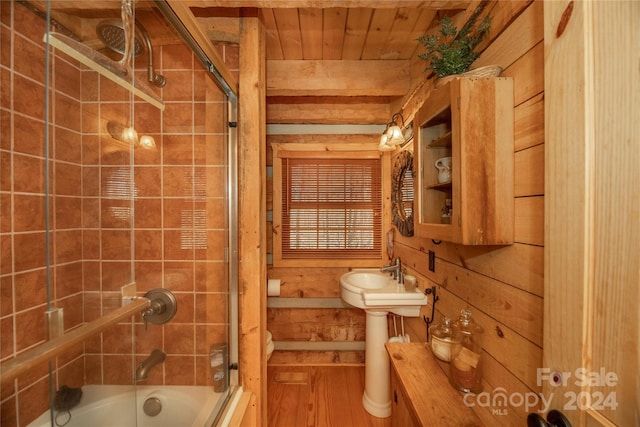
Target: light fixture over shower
<point x="392" y="135"/>
<point x="128" y="135"/>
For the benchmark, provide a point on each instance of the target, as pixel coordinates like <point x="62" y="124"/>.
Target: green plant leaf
<point x="453" y="51"/>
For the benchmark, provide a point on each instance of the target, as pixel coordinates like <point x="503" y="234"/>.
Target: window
<point x="330" y="207"/>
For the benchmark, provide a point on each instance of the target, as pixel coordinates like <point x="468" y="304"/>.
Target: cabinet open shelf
<point x="469" y="120"/>
<point x="442" y="141"/>
<point x="442" y="186"/>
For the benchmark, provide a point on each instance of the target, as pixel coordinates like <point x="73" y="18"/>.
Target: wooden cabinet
<point x="400" y="413"/>
<point x="467" y="124"/>
<point x="420" y="391"/>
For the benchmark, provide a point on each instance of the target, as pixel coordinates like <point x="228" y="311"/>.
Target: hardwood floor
<point x="318" y="396"/>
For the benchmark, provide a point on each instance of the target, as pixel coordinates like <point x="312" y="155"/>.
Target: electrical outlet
<point x="432" y="261"/>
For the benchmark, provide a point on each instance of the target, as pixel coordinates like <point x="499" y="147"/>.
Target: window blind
<point x="331" y="208"/>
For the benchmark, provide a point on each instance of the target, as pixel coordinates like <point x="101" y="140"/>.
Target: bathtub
<point x="112" y="405"/>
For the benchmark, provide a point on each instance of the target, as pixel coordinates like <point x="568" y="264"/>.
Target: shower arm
<point x="154" y="78"/>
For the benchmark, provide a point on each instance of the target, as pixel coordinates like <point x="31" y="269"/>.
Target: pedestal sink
<point x="378" y="294"/>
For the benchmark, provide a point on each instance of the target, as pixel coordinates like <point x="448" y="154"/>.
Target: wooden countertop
<point x="430" y="397"/>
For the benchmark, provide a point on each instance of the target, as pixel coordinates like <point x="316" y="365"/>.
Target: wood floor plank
<point x="312" y="403"/>
<point x="337" y="391"/>
<point x="355" y="380"/>
<point x="285" y="399"/>
<point x="331" y="397"/>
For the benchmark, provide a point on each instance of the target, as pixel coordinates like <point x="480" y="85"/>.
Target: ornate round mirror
<point x="402" y="193"/>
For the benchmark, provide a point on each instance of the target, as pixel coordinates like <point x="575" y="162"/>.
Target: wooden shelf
<point x="442" y="141"/>
<point x="443" y="186"/>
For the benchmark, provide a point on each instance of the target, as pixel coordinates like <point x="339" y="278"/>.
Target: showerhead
<point x="112" y="34"/>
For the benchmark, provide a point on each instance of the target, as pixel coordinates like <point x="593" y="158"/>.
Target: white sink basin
<point x="372" y="289"/>
<point x="378" y="294"/>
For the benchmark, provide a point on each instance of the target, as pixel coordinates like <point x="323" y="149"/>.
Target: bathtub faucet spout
<point x="156" y="357"/>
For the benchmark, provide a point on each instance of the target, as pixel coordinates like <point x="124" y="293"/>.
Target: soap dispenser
<point x="466" y="361"/>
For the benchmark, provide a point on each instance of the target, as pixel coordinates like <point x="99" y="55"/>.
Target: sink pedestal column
<point x="377" y="382"/>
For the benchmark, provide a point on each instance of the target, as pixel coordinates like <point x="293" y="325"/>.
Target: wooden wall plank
<point x="511" y="349"/>
<point x="316" y="358"/>
<point x="520" y="265"/>
<point x="502" y="15"/>
<point x="489" y="418"/>
<point x="316" y="324"/>
<point x="526" y="30"/>
<point x="529" y="123"/>
<point x="500" y="379"/>
<point x="308" y="282"/>
<point x="528" y="78"/>
<point x="511" y="306"/>
<point x="529" y="220"/>
<point x="518" y="309"/>
<point x="307" y="302"/>
<point x="529" y="172"/>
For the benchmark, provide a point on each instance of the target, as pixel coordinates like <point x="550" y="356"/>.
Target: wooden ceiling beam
<point x="323" y="4"/>
<point x="328" y="110"/>
<point x="338" y="78"/>
<point x="221" y="30"/>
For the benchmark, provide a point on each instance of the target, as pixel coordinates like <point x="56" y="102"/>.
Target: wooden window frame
<point x="293" y="150"/>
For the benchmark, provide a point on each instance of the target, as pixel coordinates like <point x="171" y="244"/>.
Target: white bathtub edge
<point x="231" y="408"/>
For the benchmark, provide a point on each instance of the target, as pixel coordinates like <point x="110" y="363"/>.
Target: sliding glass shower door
<point x="104" y="194"/>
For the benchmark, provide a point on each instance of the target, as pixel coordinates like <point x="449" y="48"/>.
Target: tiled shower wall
<point x="173" y="228"/>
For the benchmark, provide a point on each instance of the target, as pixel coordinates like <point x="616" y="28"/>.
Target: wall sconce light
<point x="392" y="135"/>
<point x="129" y="135"/>
<point x="383" y="143"/>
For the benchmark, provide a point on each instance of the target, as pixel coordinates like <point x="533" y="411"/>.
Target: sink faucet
<point x="396" y="270"/>
<point x="156" y="357"/>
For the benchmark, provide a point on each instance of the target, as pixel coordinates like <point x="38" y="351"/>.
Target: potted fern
<point x="451" y="52"/>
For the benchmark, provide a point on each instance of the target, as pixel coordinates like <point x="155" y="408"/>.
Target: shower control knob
<point x="163" y="306"/>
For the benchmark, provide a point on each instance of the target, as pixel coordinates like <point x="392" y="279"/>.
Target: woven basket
<point x="486" y="71"/>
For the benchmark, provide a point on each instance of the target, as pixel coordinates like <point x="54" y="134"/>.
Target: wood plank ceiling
<point x="353" y="57"/>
